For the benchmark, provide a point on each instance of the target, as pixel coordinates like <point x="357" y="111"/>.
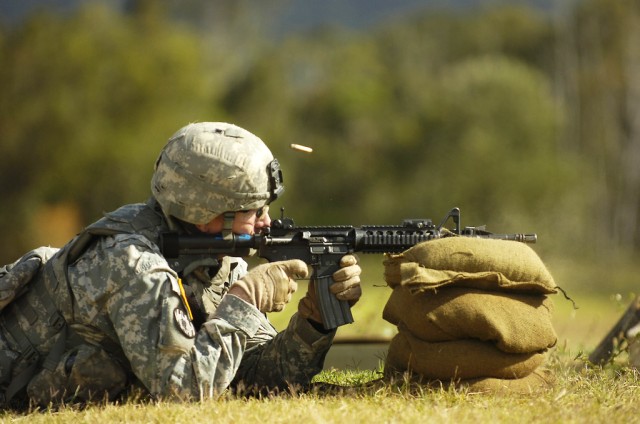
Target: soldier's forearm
<point x="290" y="359"/>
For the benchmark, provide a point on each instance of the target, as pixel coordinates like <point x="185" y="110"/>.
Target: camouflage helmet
<point x="209" y="168"/>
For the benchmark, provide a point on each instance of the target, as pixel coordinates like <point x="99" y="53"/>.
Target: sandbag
<point x="485" y="264"/>
<point x="538" y="380"/>
<point x="458" y="359"/>
<point x="514" y="323"/>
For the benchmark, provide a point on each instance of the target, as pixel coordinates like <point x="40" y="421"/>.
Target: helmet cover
<point x="209" y="168"/>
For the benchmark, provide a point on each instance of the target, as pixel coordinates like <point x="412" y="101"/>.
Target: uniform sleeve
<point x="169" y="357"/>
<point x="288" y="359"/>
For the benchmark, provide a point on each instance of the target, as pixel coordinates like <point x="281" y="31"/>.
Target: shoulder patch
<point x="184" y="323"/>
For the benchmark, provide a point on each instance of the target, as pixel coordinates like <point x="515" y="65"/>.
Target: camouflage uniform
<point x="108" y="311"/>
<point x="123" y="291"/>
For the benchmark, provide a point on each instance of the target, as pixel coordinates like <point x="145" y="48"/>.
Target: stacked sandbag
<point x="470" y="310"/>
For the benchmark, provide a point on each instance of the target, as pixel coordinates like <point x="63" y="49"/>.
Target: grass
<point x="581" y="393"/>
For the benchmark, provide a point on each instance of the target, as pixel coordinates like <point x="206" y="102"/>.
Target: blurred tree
<point x="82" y="120"/>
<point x="315" y="92"/>
<point x="599" y="80"/>
<point x="500" y="123"/>
<point x="422" y="114"/>
<point x="399" y="128"/>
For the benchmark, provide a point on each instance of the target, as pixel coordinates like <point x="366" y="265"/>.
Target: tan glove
<point x="346" y="287"/>
<point x="269" y="286"/>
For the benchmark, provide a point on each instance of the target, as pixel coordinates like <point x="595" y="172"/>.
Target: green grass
<point x="581" y="393"/>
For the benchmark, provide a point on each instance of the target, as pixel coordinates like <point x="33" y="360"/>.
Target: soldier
<point x="108" y="312"/>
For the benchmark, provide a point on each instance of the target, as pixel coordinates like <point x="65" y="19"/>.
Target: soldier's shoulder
<point x="135" y="241"/>
<point x="128" y="253"/>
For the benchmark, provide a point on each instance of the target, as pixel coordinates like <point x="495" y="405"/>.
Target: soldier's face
<point x="244" y="222"/>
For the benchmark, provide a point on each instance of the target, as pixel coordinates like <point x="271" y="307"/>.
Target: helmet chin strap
<point x="171" y="222"/>
<point x="227" y="233"/>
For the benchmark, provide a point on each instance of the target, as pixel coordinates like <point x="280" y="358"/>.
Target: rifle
<point x="322" y="247"/>
<point x="607" y="346"/>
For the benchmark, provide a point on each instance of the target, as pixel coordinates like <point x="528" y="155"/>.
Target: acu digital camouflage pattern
<point x="85" y="373"/>
<point x="121" y="290"/>
<point x="209" y="168"/>
<point x="15" y="276"/>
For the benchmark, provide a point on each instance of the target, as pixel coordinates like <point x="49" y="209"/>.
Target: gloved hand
<point x="269" y="286"/>
<point x="346" y="286"/>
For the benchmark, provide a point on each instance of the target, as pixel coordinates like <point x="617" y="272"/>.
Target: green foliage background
<point x="528" y="122"/>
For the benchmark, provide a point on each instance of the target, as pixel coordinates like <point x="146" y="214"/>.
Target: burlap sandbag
<point x="515" y="323"/>
<point x="539" y="380"/>
<point x="459" y="359"/>
<point x="470" y="262"/>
